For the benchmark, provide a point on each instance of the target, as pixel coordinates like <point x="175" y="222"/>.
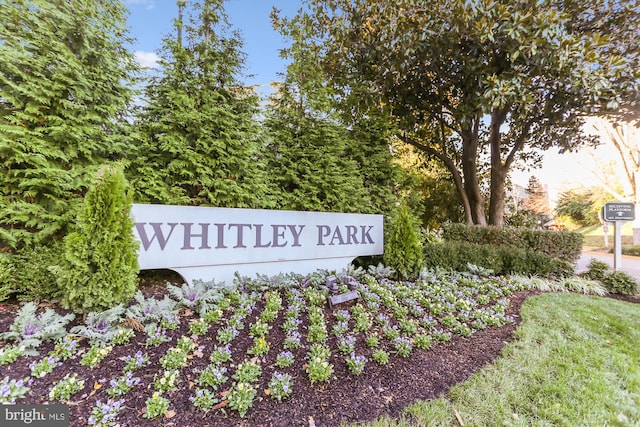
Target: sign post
<point x="618" y="213"/>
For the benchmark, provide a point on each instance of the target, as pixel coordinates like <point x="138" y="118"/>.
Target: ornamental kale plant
<point x="101" y="328"/>
<point x="151" y="310"/>
<point x="30" y="330"/>
<point x="198" y="296"/>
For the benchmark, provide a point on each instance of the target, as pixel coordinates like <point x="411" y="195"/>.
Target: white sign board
<point x="214" y="243"/>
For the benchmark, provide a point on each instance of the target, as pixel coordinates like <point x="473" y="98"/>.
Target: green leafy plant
<point x="104" y="414"/>
<point x="221" y="354"/>
<point x="29" y="329"/>
<point x="203" y="399"/>
<point x="156" y="406"/>
<point x="135" y="362"/>
<point x="381" y="357"/>
<point x="10" y="354"/>
<point x="101" y="328"/>
<point x="151" y="310"/>
<point x="356" y="363"/>
<point x="284" y="359"/>
<point x="65" y="348"/>
<point x="240" y="397"/>
<point x="403" y="248"/>
<point x="280" y="386"/>
<point x="247" y="372"/>
<point x="213" y="376"/>
<point x="198" y="295"/>
<point x="318" y="370"/>
<point x="44" y="366"/>
<point x="620" y="282"/>
<point x="123" y="384"/>
<point x="100" y="265"/>
<point x="198" y="327"/>
<point x="175" y="358"/>
<point x="168" y="381"/>
<point x="260" y="346"/>
<point x="63" y="389"/>
<point x="596" y="270"/>
<point x="12" y="390"/>
<point x="95" y="355"/>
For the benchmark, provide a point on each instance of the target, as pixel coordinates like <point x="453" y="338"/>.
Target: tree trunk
<point x="470" y="173"/>
<point x="498" y="170"/>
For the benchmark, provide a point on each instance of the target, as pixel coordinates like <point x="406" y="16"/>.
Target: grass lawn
<point x="575" y="362"/>
<point x="594" y="236"/>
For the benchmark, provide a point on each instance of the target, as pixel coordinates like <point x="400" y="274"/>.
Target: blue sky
<point x="150" y="20"/>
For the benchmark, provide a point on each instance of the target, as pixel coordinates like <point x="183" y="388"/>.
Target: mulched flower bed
<point x="345" y="397"/>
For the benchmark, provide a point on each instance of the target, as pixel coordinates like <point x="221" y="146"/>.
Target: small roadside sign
<point x="619" y="211"/>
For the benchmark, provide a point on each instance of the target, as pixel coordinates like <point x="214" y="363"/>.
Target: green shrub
<point x="500" y="259"/>
<point x="26" y="274"/>
<point x="565" y="245"/>
<point x="100" y="266"/>
<point x="403" y="248"/>
<point x="619" y="282"/>
<point x="7" y="279"/>
<point x="630" y="250"/>
<point x="596" y="270"/>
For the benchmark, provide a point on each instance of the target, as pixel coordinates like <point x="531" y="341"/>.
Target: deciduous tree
<point x="481" y="80"/>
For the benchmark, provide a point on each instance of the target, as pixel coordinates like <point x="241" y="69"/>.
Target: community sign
<point x="204" y="243"/>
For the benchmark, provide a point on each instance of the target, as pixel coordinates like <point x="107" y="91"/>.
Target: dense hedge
<point x="25" y="273"/>
<point x="501" y="259"/>
<point x="565" y="245"/>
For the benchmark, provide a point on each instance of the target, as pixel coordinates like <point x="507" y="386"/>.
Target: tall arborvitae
<point x="200" y="142"/>
<point x="312" y="163"/>
<point x="65" y="82"/>
<point x="99" y="269"/>
<point x="309" y="163"/>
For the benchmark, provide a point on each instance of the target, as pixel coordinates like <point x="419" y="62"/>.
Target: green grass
<point x="594" y="236"/>
<point x="575" y="362"/>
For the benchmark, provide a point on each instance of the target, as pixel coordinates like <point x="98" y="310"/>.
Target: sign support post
<point x="617" y="245"/>
<point x="618" y="213"/>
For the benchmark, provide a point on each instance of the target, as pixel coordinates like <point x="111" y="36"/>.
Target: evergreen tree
<point x="316" y="163"/>
<point x="536" y="203"/>
<point x="309" y="165"/>
<point x="199" y="127"/>
<point x="100" y="264"/>
<point x="65" y="81"/>
<point x="403" y="247"/>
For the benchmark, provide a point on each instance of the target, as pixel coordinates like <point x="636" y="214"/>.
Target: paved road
<point x="630" y="264"/>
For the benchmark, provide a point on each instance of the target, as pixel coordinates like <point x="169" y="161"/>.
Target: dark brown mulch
<point x="347" y="398"/>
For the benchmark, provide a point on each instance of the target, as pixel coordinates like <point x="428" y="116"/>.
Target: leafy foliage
<point x="619" y="282"/>
<point x="25" y="272"/>
<point x="501" y="259"/>
<point x="463" y="78"/>
<point x="30" y="329"/>
<point x="403" y="249"/>
<point x="101" y="328"/>
<point x="565" y="245"/>
<point x="100" y="266"/>
<point x="581" y="205"/>
<point x="198" y="295"/>
<point x="198" y="124"/>
<point x="320" y="159"/>
<point x="65" y="81"/>
<point x="151" y="310"/>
